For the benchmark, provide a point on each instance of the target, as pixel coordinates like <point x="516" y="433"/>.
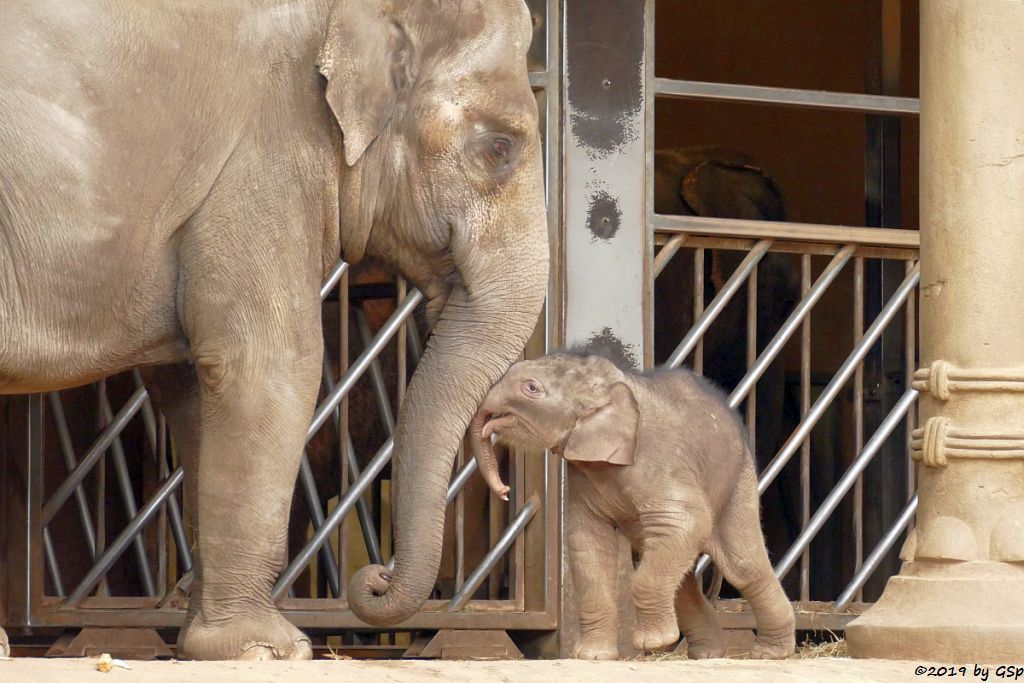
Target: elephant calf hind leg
<point x="698" y="622"/>
<point x="668" y="550"/>
<point x="743" y="559"/>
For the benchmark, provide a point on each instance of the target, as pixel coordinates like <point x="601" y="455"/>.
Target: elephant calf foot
<point x="705" y="647"/>
<point x="656" y="633"/>
<point x="773" y="648"/>
<point x="596" y="648"/>
<point x="261" y="637"/>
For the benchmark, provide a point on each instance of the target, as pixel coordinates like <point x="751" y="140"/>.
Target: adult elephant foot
<point x="252" y="638"/>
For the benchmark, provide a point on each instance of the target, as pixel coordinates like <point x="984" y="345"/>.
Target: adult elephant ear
<point x="608" y="431"/>
<point x="366" y="59"/>
<point x="724" y="188"/>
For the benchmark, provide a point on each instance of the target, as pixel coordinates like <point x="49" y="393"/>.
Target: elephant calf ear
<point x="607" y="433"/>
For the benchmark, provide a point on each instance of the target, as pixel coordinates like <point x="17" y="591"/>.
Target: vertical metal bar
<point x="910" y="364"/>
<point x="805" y="447"/>
<point x="752" y="355"/>
<point x="124" y="481"/>
<point x="405" y="338"/>
<point x="460" y="525"/>
<point x="858" y="412"/>
<point x="604" y="119"/>
<point x="148" y="415"/>
<point x="345" y="452"/>
<point x="698" y="306"/>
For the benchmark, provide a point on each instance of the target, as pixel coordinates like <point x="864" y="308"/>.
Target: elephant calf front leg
<point x="592" y="544"/>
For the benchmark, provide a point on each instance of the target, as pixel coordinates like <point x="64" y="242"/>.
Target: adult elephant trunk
<point x="481" y="330"/>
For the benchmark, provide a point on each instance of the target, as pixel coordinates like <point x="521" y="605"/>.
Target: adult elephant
<point x="174" y="180"/>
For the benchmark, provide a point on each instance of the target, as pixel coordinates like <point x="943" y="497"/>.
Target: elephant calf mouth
<point x="495" y="423"/>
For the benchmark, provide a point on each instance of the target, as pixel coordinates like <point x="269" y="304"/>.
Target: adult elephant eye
<point x="498" y="151"/>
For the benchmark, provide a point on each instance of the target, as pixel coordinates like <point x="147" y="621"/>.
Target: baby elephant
<point x="661" y="458"/>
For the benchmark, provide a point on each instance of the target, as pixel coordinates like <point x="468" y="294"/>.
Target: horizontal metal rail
<point x="846" y="482"/>
<point x="473" y="581"/>
<point x="787" y="97"/>
<point x="787" y="232"/>
<point x="719" y="303"/>
<point x="875" y="558"/>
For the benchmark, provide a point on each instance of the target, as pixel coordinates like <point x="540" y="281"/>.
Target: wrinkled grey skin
<point x="662" y="459"/>
<point x="173" y="176"/>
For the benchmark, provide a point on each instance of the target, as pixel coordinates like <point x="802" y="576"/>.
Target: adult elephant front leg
<point x="256" y="395"/>
<point x="252" y="317"/>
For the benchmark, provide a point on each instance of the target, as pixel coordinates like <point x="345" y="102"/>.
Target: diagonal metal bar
<point x="124" y="539"/>
<point x="846" y="482"/>
<point x="68" y="451"/>
<point x="51" y="563"/>
<point x="458" y="483"/>
<point x="366" y="524"/>
<point x="333" y="399"/>
<point x="839" y="380"/>
<point x="667" y="253"/>
<point x="877" y="555"/>
<point x="320" y="536"/>
<point x="515" y="527"/>
<point x="376" y="374"/>
<point x="316" y="515"/>
<point x="102" y="443"/>
<point x="775" y="346"/>
<point x="333" y="278"/>
<point x="124" y="482"/>
<point x="721" y="300"/>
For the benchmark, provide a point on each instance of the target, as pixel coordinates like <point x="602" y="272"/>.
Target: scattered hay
<point x="831" y="648"/>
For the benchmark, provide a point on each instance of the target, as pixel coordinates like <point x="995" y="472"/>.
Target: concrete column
<point x="960" y="594"/>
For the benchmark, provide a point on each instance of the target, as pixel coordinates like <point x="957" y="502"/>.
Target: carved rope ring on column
<point x="929" y="444"/>
<point x="941" y="379"/>
<point x="938" y="441"/>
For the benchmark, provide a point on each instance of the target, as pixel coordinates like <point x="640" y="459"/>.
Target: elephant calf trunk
<point x="483" y="451"/>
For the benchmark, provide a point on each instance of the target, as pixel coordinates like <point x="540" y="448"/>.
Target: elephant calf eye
<point x="533" y="389"/>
